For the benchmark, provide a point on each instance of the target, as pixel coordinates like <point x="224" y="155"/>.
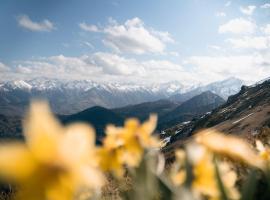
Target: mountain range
<point x="169" y="113"/>
<point x="246" y="114"/>
<point x="69" y="97"/>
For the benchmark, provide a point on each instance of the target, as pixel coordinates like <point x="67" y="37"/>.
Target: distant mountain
<point x="169" y="113"/>
<point x="97" y="116"/>
<point x="10" y="127"/>
<point x="143" y="110"/>
<point x="194" y="107"/>
<point x="245" y="114"/>
<point x="223" y="89"/>
<point x="67" y="97"/>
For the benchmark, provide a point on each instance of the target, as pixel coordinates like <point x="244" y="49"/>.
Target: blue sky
<point x="139" y="41"/>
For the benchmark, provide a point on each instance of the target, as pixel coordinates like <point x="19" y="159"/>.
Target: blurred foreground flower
<point x="125" y="145"/>
<point x="204" y="181"/>
<point x="230" y="146"/>
<point x="55" y="162"/>
<point x="264" y="151"/>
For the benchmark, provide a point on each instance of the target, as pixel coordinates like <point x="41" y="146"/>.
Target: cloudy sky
<point x="136" y="41"/>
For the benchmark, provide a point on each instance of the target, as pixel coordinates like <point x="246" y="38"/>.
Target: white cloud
<point x="228" y="3"/>
<point x="116" y="65"/>
<point x="252" y="67"/>
<point x="99" y="66"/>
<point x="90" y="28"/>
<point x="106" y="67"/>
<point x="43" y="26"/>
<point x="88" y="44"/>
<point x="4" y="68"/>
<point x="238" y="26"/>
<point x="56" y="66"/>
<point x="248" y="10"/>
<point x="215" y="47"/>
<point x="174" y="53"/>
<point x="246" y="42"/>
<point x="221" y="14"/>
<point x="266" y="29"/>
<point x="163" y="36"/>
<point x="265" y="6"/>
<point x="132" y="37"/>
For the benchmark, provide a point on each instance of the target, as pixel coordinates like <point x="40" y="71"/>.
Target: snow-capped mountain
<point x="67" y="97"/>
<point x="223" y="89"/>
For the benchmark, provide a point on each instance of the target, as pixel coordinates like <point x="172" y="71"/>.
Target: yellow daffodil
<point x="230" y="146"/>
<point x="204" y="183"/>
<point x="205" y="178"/>
<point x="264" y="151"/>
<point x="178" y="174"/>
<point x="125" y="145"/>
<point x="54" y="162"/>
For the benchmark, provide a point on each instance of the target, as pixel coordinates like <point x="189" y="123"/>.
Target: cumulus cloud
<point x="116" y="65"/>
<point x="4" y="68"/>
<point x="214" y="47"/>
<point x="132" y="37"/>
<point x="100" y="66"/>
<point x="246" y="42"/>
<point x="90" y="28"/>
<point x="248" y="10"/>
<point x="265" y="6"/>
<point x="266" y="29"/>
<point x="238" y="26"/>
<point x="251" y="67"/>
<point x="43" y="26"/>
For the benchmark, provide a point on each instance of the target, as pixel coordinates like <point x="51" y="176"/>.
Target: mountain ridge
<point x="69" y="97"/>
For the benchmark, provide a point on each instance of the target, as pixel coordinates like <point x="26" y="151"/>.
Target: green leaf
<point x="189" y="173"/>
<point x="249" y="187"/>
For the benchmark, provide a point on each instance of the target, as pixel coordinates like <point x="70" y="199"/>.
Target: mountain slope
<point x="196" y="106"/>
<point x="143" y="110"/>
<point x="245" y="114"/>
<point x="97" y="116"/>
<point x="10" y="127"/>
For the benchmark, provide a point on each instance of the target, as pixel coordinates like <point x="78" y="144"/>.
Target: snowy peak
<point x="86" y="85"/>
<point x="18" y="84"/>
<point x="225" y="88"/>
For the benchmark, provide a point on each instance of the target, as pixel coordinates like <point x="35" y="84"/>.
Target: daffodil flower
<point x="124" y="146"/>
<point x="230" y="146"/>
<point x="204" y="178"/>
<point x="55" y="162"/>
<point x="264" y="152"/>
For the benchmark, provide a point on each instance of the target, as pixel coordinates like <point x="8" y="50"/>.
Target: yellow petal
<point x="90" y="177"/>
<point x="114" y="137"/>
<point x="16" y="162"/>
<point x="150" y="125"/>
<point x="259" y="145"/>
<point x="111" y="160"/>
<point x="77" y="143"/>
<point x="230" y="146"/>
<point x="42" y="131"/>
<point x="205" y="178"/>
<point x="179" y="178"/>
<point x="132" y="124"/>
<point x="61" y="188"/>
